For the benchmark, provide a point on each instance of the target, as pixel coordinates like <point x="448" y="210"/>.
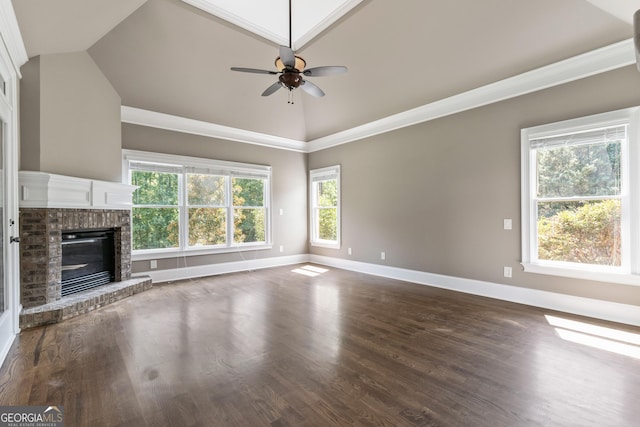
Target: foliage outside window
<point x="156" y="212"/>
<point x="197" y="204"/>
<point x="325" y="206"/>
<point x="577" y="200"/>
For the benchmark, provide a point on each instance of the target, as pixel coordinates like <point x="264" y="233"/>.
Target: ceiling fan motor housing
<point x="290" y="79"/>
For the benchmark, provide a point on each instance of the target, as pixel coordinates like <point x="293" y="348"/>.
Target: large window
<point x="192" y="205"/>
<point x="325" y="206"/>
<point x="579" y="185"/>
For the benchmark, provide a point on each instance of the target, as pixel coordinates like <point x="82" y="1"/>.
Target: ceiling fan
<point x="291" y="69"/>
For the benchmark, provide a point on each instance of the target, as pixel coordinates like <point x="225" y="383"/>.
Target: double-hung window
<point x="325" y="206"/>
<point x="189" y="205"/>
<point x="579" y="198"/>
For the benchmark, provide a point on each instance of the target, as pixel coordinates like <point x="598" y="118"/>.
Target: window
<point x="325" y="206"/>
<point x="189" y="205"/>
<point x="579" y="198"/>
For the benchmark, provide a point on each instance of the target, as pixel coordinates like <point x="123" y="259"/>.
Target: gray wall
<point x="30" y="115"/>
<point x="433" y="196"/>
<point x="70" y="118"/>
<point x="289" y="188"/>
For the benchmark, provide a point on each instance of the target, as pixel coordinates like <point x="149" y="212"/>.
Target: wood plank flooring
<point x="278" y="348"/>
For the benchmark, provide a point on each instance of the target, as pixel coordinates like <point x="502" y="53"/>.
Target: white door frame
<point x="12" y="56"/>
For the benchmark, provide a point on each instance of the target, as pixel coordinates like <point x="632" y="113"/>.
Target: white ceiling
<point x="270" y="18"/>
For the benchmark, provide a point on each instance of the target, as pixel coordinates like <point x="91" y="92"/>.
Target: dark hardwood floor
<point x="275" y="347"/>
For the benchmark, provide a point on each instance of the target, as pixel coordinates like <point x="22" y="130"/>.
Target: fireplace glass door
<point x="88" y="260"/>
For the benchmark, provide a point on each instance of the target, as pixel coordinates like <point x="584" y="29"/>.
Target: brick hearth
<point x="41" y="263"/>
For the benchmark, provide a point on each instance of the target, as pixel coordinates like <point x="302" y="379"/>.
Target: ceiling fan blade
<point x="274" y="87"/>
<point x="324" y="71"/>
<point x="287" y="56"/>
<point x="253" y="70"/>
<point x="311" y="89"/>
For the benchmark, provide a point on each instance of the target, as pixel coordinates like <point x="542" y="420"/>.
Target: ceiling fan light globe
<point x="299" y="64"/>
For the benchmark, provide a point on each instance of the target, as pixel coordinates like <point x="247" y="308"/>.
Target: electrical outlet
<point x="349" y="251"/>
<point x="281" y="211"/>
<point x="508" y="224"/>
<point x="383" y="256"/>
<point x="281" y="248"/>
<point x="153" y="264"/>
<point x="507" y="272"/>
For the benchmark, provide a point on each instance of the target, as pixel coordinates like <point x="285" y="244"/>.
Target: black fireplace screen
<point x="88" y="260"/>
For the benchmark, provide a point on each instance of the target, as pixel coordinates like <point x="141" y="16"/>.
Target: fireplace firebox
<point x="88" y="260"/>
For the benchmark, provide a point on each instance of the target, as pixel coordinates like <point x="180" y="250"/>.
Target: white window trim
<point x="234" y="169"/>
<point x="628" y="273"/>
<point x="330" y="172"/>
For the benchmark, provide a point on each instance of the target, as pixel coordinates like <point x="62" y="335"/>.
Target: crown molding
<point x="10" y="33"/>
<point x="138" y="116"/>
<point x="238" y="20"/>
<point x="328" y="21"/>
<point x="598" y="61"/>
<point x="298" y="42"/>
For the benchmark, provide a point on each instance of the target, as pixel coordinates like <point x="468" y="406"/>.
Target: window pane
<point x="207" y="226"/>
<point x="328" y="221"/>
<point x="579" y="170"/>
<point x="155" y="228"/>
<point x="155" y="188"/>
<point x="582" y="232"/>
<point x="249" y="225"/>
<point x="206" y="190"/>
<point x="248" y="192"/>
<point x="327" y="193"/>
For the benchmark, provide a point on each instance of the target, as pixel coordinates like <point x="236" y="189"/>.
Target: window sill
<point x="327" y="244"/>
<point x="176" y="253"/>
<point x="584" y="272"/>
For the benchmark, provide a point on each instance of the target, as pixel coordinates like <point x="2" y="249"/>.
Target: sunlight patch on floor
<point x="608" y="339"/>
<point x="310" y="270"/>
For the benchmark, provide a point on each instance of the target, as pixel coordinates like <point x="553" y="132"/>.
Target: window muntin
<point x="196" y="205"/>
<point x="325" y="206"/>
<point x="580" y="198"/>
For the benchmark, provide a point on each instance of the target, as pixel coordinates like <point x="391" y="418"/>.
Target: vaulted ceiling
<point x="171" y="57"/>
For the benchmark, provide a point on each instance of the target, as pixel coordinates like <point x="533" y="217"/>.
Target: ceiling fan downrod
<point x="290" y="35"/>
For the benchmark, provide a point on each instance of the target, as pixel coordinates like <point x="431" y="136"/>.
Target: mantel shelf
<point x="46" y="190"/>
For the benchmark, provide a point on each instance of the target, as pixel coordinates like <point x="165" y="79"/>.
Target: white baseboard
<point x="170" y="275"/>
<point x="5" y="350"/>
<point x="8" y="336"/>
<point x="605" y="310"/>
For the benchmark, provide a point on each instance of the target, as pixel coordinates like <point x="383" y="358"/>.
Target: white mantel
<point x="46" y="190"/>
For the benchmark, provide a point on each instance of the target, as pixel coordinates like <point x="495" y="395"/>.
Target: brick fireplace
<point x="51" y="205"/>
<point x="41" y="247"/>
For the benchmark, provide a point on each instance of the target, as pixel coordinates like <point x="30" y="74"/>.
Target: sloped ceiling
<point x="68" y="25"/>
<point x="170" y="57"/>
<point x="621" y="9"/>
